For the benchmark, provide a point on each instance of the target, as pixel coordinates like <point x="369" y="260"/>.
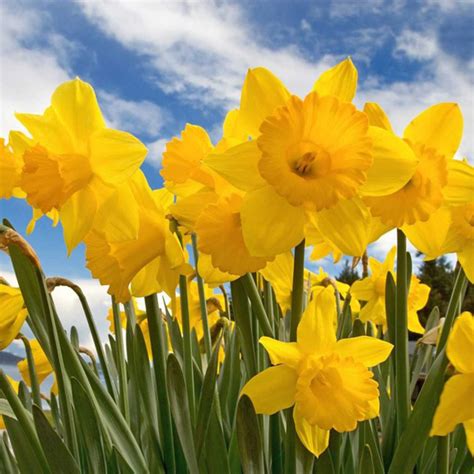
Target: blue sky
<point x="157" y="65"/>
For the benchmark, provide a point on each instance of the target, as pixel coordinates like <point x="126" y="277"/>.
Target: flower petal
<point x="77" y="216"/>
<point x="314" y="439"/>
<point x="272" y="390"/>
<point x="340" y="80"/>
<point x="238" y="165"/>
<point x="262" y="92"/>
<point x="315" y="333"/>
<point x="363" y="290"/>
<point x="269" y="223"/>
<point x="393" y="166"/>
<point x="469" y="429"/>
<point x="455" y="405"/>
<point x="466" y="259"/>
<point x="439" y="127"/>
<point x="461" y="343"/>
<point x="115" y="155"/>
<point x="377" y="116"/>
<point x="460" y="187"/>
<point x="280" y="352"/>
<point x="368" y="350"/>
<point x="75" y="105"/>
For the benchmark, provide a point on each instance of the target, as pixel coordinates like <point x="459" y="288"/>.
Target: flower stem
<point x="298" y="289"/>
<point x="120" y="356"/>
<point x="442" y="455"/>
<point x="35" y="390"/>
<point x="401" y="336"/>
<point x="202" y="302"/>
<point x="157" y="339"/>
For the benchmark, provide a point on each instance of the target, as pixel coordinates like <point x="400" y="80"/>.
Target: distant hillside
<point x="7" y="358"/>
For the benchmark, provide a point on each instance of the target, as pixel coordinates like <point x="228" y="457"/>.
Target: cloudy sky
<point x="159" y="64"/>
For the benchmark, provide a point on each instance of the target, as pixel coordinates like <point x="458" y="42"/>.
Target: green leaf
<point x="58" y="455"/>
<point x="89" y="426"/>
<point x="5" y="409"/>
<point x="206" y="400"/>
<point x="366" y="465"/>
<point x="179" y="403"/>
<point x="216" y="449"/>
<point x="248" y="434"/>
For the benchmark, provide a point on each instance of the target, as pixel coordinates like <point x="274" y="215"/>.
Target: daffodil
<point x="455" y="405"/>
<point x="434" y="137"/>
<point x="75" y="160"/>
<point x="327" y="381"/>
<point x="307" y="155"/>
<point x="372" y="290"/>
<point x="451" y="227"/>
<point x="12" y="314"/>
<point x="116" y="262"/>
<point x="43" y="367"/>
<point x="11" y="165"/>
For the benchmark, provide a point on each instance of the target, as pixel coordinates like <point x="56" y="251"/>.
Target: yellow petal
<point x="115" y="155"/>
<point x="233" y="128"/>
<point x="187" y="209"/>
<point x="364" y="289"/>
<point x="262" y="92"/>
<point x="315" y="333"/>
<point x="280" y="352"/>
<point x="460" y="187"/>
<point x="272" y="390"/>
<point x="377" y="116"/>
<point x="346" y="226"/>
<point x="210" y="274"/>
<point x="75" y="104"/>
<point x="340" y="80"/>
<point x="368" y="350"/>
<point x="466" y="259"/>
<point x="270" y="224"/>
<point x="429" y="236"/>
<point x="314" y="439"/>
<point x="469" y="429"/>
<point x="13" y="315"/>
<point x="439" y="127"/>
<point x="238" y="165"/>
<point x="77" y="216"/>
<point x="393" y="166"/>
<point x="461" y="343"/>
<point x="455" y="405"/>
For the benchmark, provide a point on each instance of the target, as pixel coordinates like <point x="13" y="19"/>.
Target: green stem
<point x="452" y="310"/>
<point x="202" y="302"/>
<point x="298" y="290"/>
<point x="252" y="292"/>
<point x="157" y="338"/>
<point x="35" y="390"/>
<point x="402" y="396"/>
<point x="96" y="338"/>
<point x="120" y="356"/>
<point x="187" y="347"/>
<point x="442" y="455"/>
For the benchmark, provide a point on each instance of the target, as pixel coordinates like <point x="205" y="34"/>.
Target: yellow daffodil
<point x="75" y="160"/>
<point x="211" y="275"/>
<point x="451" y="227"/>
<point x="372" y="290"/>
<point x="307" y="155"/>
<point x="327" y="381"/>
<point x="455" y="405"/>
<point x="116" y="262"/>
<point x="219" y="230"/>
<point x="434" y="137"/>
<point x="43" y="367"/>
<point x="15" y="385"/>
<point x="11" y="165"/>
<point x="12" y="314"/>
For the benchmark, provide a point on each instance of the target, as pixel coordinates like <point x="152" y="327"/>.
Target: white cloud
<point x="155" y="152"/>
<point x="201" y="50"/>
<point x="416" y="45"/>
<point x="28" y="75"/>
<point x="137" y="117"/>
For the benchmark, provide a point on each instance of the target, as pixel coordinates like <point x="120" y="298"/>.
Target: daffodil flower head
<point x="455" y="405"/>
<point x="327" y="381"/>
<point x="434" y="137"/>
<point x="315" y="151"/>
<point x="74" y="158"/>
<point x="11" y="164"/>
